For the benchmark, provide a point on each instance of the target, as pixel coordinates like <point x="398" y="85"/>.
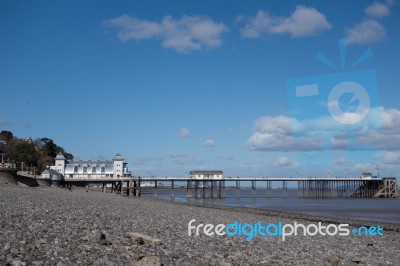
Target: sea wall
<point x="8" y="177"/>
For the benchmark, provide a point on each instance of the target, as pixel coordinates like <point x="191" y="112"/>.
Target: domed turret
<point x="118" y="157"/>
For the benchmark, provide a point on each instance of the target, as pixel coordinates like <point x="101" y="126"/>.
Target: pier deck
<point x="309" y="187"/>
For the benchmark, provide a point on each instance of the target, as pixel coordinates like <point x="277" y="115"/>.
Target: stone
<point x="149" y="261"/>
<point x="104" y="239"/>
<point x="146" y="239"/>
<point x="356" y="259"/>
<point x="16" y="263"/>
<point x="140" y="240"/>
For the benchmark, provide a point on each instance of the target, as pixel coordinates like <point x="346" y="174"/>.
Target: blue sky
<point x="181" y="85"/>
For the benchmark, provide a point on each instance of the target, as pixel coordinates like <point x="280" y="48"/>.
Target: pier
<point x="262" y="187"/>
<point x="311" y="187"/>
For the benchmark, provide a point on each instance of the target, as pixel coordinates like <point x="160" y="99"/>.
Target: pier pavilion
<point x="88" y="169"/>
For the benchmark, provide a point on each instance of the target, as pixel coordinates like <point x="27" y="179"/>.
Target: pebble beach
<point x="53" y="226"/>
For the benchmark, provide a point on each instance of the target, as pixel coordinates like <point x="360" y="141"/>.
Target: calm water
<point x="377" y="210"/>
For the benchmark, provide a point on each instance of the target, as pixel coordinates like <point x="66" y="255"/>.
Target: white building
<point x="51" y="174"/>
<point x="90" y="169"/>
<point x="206" y="174"/>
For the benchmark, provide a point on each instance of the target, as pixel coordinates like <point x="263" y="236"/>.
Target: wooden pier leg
<point x="189" y="189"/>
<point x="138" y="189"/>
<point x="87" y="187"/>
<point x="237" y="189"/>
<point x="285" y="192"/>
<point x="253" y="187"/>
<point x="172" y="189"/>
<point x="269" y="189"/>
<point x="104" y="187"/>
<point x="196" y="189"/>
<point x="221" y="189"/>
<point x="134" y="184"/>
<point x="155" y="189"/>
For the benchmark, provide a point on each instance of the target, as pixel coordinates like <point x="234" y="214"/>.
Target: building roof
<point x="118" y="157"/>
<point x="206" y="172"/>
<point x="60" y="156"/>
<point x="50" y="171"/>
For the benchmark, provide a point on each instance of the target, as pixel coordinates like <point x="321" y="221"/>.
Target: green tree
<point x="49" y="148"/>
<point x="18" y="151"/>
<point x="39" y="154"/>
<point x="6" y="135"/>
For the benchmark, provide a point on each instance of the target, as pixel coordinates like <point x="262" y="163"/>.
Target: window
<point x="85" y="169"/>
<point x="75" y="168"/>
<point x="103" y="169"/>
<point x="93" y="169"/>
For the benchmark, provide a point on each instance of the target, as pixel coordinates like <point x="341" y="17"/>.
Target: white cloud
<point x="377" y="10"/>
<point x="304" y="21"/>
<point x="381" y="130"/>
<point x="274" y="133"/>
<point x="209" y="143"/>
<point x="3" y="122"/>
<point x="363" y="167"/>
<point x="147" y="159"/>
<point x="184" y="132"/>
<point x="368" y="31"/>
<point x="229" y="157"/>
<point x="284" y="162"/>
<point x="184" y="159"/>
<point x="388" y="137"/>
<point x="183" y="35"/>
<point x="391" y="157"/>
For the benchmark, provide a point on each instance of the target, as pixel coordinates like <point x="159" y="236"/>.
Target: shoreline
<point x="51" y="226"/>
<point x="290" y="215"/>
<point x="273" y="213"/>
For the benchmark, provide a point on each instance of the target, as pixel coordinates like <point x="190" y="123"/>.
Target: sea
<point x="378" y="210"/>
